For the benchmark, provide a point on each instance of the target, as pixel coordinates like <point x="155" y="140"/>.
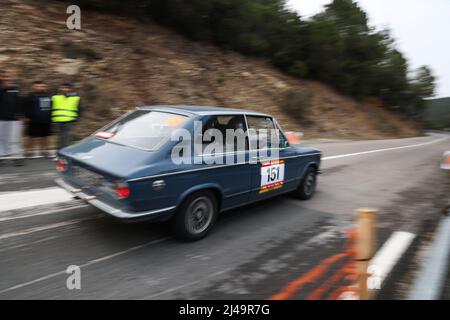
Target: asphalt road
<point x="252" y="253"/>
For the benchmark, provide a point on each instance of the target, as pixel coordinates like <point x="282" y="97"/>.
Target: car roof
<point x="202" y="110"/>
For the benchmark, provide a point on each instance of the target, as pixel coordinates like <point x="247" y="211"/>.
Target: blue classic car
<point x="186" y="164"/>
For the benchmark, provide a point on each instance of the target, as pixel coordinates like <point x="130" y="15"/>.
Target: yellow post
<point x="365" y="246"/>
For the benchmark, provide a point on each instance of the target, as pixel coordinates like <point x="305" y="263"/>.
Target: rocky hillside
<point x="118" y="62"/>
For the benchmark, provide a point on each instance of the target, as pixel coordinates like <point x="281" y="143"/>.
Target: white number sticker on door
<point x="272" y="175"/>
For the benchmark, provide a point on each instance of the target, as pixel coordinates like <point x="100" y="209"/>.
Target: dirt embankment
<point x="119" y="62"/>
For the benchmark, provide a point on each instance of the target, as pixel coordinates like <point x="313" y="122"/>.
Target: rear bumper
<point x="114" y="211"/>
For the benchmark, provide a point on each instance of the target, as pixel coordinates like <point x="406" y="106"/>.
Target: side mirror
<point x="294" y="137"/>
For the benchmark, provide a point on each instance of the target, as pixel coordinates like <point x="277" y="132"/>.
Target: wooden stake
<point x="365" y="246"/>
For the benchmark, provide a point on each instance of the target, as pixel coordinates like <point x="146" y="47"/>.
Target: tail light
<point x="104" y="135"/>
<point x="122" y="190"/>
<point x="61" y="165"/>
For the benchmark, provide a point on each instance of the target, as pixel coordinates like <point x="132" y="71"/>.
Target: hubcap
<point x="310" y="183"/>
<point x="199" y="215"/>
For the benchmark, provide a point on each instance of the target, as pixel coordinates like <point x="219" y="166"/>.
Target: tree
<point x="343" y="50"/>
<point x="423" y="82"/>
<point x="336" y="46"/>
<point x="421" y="85"/>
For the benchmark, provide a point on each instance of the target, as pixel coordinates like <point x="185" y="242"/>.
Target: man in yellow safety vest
<point x="65" y="111"/>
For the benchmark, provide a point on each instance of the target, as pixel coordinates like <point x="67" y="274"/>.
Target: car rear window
<point x="143" y="129"/>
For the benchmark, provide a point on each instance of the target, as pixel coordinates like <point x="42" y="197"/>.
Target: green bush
<point x="298" y="69"/>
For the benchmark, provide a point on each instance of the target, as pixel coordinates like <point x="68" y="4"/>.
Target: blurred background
<point x="256" y="54"/>
<point x="327" y="72"/>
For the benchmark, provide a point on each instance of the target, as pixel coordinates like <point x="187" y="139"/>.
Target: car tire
<point x="196" y="216"/>
<point x="307" y="187"/>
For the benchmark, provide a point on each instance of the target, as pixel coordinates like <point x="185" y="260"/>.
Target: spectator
<point x="65" y="111"/>
<point x="38" y="109"/>
<point x="10" y="120"/>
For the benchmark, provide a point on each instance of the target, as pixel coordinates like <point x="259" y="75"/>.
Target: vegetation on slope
<point x="336" y="46"/>
<point x="117" y="62"/>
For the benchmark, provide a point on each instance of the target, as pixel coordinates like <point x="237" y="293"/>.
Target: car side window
<point x="262" y="133"/>
<point x="284" y="143"/>
<point x="232" y="131"/>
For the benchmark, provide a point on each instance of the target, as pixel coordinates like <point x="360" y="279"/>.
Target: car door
<point x="272" y="160"/>
<point x="233" y="174"/>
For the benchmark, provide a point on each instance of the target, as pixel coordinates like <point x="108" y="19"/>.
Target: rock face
<point x="118" y="62"/>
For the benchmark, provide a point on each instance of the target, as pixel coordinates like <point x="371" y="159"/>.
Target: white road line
<point x="387" y="257"/>
<point x="87" y="264"/>
<point x="46" y="227"/>
<point x="431" y="279"/>
<point x="383" y="150"/>
<point x="25" y="199"/>
<point x="383" y="262"/>
<point x="44" y="213"/>
<point x="32" y="198"/>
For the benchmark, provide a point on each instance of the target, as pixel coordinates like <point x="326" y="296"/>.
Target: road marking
<point x="25" y="199"/>
<point x="87" y="264"/>
<point x="33" y="198"/>
<point x="387" y="257"/>
<point x="315" y="273"/>
<point x="44" y="213"/>
<point x="431" y="279"/>
<point x="383" y="150"/>
<point x="46" y="227"/>
<point x="379" y="267"/>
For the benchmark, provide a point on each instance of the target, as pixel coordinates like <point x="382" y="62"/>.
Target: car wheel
<point x="307" y="187"/>
<point x="196" y="216"/>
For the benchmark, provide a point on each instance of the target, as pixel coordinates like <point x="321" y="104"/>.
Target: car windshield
<point x="143" y="129"/>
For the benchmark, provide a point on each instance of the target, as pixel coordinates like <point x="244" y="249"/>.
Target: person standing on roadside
<point x="65" y="111"/>
<point x="38" y="111"/>
<point x="10" y="120"/>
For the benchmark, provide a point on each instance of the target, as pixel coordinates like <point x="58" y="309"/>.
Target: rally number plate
<point x="272" y="175"/>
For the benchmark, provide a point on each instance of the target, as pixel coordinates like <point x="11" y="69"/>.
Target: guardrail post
<point x="365" y="246"/>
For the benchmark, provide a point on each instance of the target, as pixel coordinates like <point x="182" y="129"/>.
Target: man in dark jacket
<point x="10" y="120"/>
<point x="38" y="114"/>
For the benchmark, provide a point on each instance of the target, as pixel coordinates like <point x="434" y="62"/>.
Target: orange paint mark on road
<point x="340" y="275"/>
<point x="346" y="272"/>
<point x="293" y="287"/>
